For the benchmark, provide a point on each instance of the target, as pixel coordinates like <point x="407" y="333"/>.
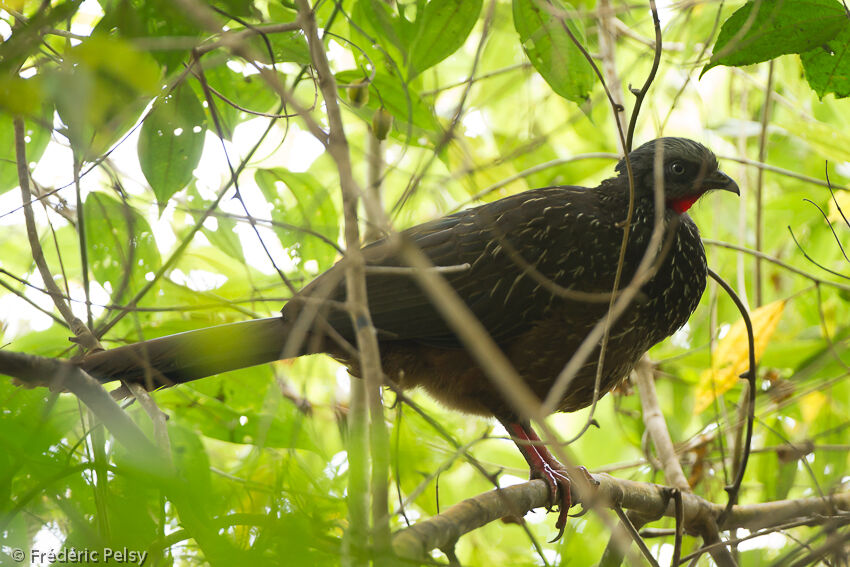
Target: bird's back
<point x="541" y="266"/>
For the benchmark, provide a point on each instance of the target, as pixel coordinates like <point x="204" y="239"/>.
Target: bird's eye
<point x="677" y="168"/>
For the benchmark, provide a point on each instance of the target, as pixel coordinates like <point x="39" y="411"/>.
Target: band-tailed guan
<point x="508" y="255"/>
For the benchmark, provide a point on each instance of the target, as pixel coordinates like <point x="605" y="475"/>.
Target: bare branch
<point x="355" y="281"/>
<point x="62" y="375"/>
<point x="83" y="334"/>
<point x="656" y="425"/>
<point x="650" y="500"/>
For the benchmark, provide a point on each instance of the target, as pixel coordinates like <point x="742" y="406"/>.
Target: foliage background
<point x="178" y="200"/>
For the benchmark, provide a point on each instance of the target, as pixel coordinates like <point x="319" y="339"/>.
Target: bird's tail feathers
<point x="194" y="354"/>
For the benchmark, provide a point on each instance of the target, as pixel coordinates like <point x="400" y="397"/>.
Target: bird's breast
<point x="674" y="291"/>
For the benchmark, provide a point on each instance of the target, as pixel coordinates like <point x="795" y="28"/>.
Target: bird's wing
<point x="536" y="226"/>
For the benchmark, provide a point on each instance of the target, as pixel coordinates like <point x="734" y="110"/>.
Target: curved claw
<point x="560" y="533"/>
<point x="546" y="467"/>
<point x="580" y="513"/>
<point x="558" y="481"/>
<point x="593" y="483"/>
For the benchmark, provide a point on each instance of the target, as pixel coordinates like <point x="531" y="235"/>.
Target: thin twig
<point x="750" y="376"/>
<point x="83" y="334"/>
<point x="776" y="261"/>
<point x="829" y="224"/>
<point x="760" y="182"/>
<point x="812" y="260"/>
<point x="535" y="169"/>
<point x="680" y="525"/>
<point x="632" y="531"/>
<point x="355" y="280"/>
<point x="783" y="171"/>
<point x="156" y="415"/>
<point x="641" y="94"/>
<point x="606" y="20"/>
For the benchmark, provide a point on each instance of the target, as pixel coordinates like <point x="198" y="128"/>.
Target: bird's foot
<point x="559" y="492"/>
<point x="547" y="468"/>
<point x="556" y="476"/>
<point x="590" y="488"/>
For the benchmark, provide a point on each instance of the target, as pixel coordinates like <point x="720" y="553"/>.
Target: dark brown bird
<point x="515" y="248"/>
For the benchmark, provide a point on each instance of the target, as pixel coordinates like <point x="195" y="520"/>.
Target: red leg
<point x="544" y="466"/>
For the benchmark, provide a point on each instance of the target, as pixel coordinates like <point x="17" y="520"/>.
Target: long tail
<point x="193" y="354"/>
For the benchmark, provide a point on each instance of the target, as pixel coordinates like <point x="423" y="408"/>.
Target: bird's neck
<point x="682" y="204"/>
<point x="643" y="214"/>
<point x="646" y="203"/>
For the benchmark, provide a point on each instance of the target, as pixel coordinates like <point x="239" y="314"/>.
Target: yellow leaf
<point x="731" y="358"/>
<point x="811" y="404"/>
<point x="842" y="200"/>
<point x="16" y="5"/>
<point x="21" y="96"/>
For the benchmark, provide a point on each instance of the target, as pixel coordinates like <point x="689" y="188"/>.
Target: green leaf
<point x="305" y="209"/>
<point x="759" y="31"/>
<point x="776" y="470"/>
<point x="828" y="141"/>
<point x="121" y="247"/>
<point x="190" y="458"/>
<point x="830" y="466"/>
<point x="119" y="62"/>
<point x="35" y="138"/>
<point x="237" y="8"/>
<point x="286" y="46"/>
<point x="224" y="236"/>
<point x="148" y="20"/>
<point x="216" y="419"/>
<point x="420" y="33"/>
<point x="248" y="91"/>
<point x="21" y="96"/>
<point x="291" y="47"/>
<point x="392" y="93"/>
<point x="542" y="26"/>
<point x="280" y="14"/>
<point x="827" y="67"/>
<point x="27" y="36"/>
<point x="100" y="89"/>
<point x="377" y="19"/>
<point x="441" y="29"/>
<point x="171" y="142"/>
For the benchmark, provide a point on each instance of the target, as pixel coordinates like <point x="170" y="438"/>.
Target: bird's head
<point x="689" y="169"/>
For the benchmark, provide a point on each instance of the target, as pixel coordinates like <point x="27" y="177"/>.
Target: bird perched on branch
<point x="537" y="269"/>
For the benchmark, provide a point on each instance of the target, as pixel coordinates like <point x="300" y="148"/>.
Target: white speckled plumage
<point x="569" y="236"/>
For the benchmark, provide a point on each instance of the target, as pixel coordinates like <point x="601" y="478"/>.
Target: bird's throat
<point x="683" y="204"/>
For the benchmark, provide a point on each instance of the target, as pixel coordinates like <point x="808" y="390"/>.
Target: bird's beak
<point x="719" y="180"/>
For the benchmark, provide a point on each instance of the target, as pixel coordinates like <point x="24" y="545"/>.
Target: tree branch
<point x="655" y="424"/>
<point x="83" y="334"/>
<point x="62" y="375"/>
<point x="647" y="499"/>
<point x="355" y="281"/>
